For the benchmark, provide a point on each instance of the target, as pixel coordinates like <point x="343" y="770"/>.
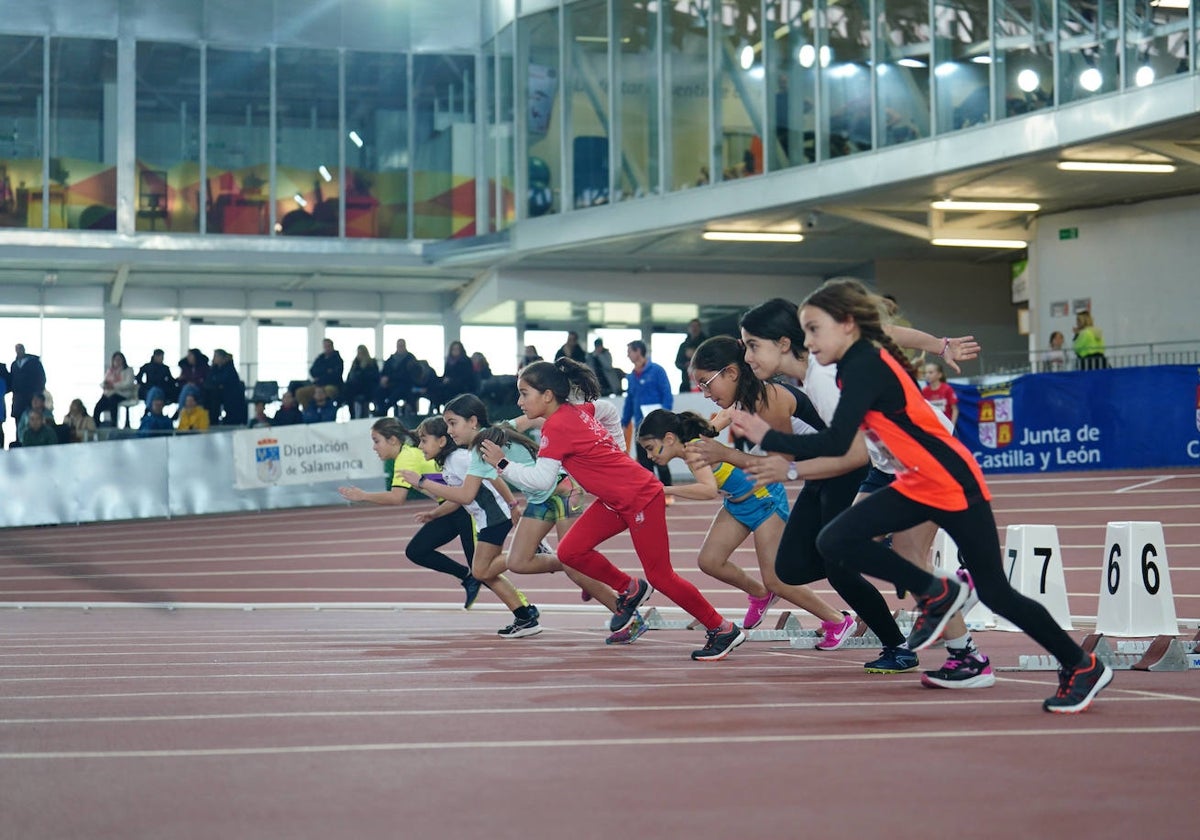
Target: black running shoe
<point x="628" y="604"/>
<point x="472" y="585"/>
<point x="1077" y="687"/>
<point x="933" y="611"/>
<point x="718" y="644"/>
<point x="519" y="628"/>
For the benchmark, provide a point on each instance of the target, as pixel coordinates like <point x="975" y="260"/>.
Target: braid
<point x="846" y="298"/>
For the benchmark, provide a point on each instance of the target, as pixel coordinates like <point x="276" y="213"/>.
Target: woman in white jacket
<point x="119" y="385"/>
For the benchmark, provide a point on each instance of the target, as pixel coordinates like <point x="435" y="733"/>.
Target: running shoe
<point x="893" y="660"/>
<point x="472" y="585"/>
<point x="966" y="668"/>
<point x="719" y="643"/>
<point x="519" y="628"/>
<point x="836" y="632"/>
<point x="630" y="634"/>
<point x="544" y="548"/>
<point x="933" y="611"/>
<point x="1078" y="686"/>
<point x="973" y="599"/>
<point x="628" y="602"/>
<point x="758" y="609"/>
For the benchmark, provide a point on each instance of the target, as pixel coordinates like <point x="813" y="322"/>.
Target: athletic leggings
<point x="799" y="562"/>
<point x="423" y="547"/>
<point x="850" y="535"/>
<point x="648" y="530"/>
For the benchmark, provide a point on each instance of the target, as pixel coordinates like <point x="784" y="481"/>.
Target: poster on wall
<point x="1081" y="305"/>
<point x="1059" y="309"/>
<point x="543" y="87"/>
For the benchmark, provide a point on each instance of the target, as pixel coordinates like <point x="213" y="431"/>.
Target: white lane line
<point x="576" y="743"/>
<point x="1147" y="483"/>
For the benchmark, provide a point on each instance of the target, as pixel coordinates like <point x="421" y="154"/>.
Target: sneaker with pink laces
<point x="758" y="608"/>
<point x="836" y="632"/>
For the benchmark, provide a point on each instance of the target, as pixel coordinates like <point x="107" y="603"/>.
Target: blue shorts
<point x="876" y="479"/>
<point x="568" y="505"/>
<point x="756" y="510"/>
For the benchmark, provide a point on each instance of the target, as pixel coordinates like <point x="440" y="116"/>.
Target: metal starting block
<point x="1162" y="653"/>
<point x="654" y="621"/>
<point x="786" y="628"/>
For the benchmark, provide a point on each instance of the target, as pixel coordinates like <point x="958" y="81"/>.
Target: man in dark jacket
<point x="26" y="378"/>
<point x="326" y="373"/>
<point x="155" y="374"/>
<point x="397" y="379"/>
<point x="683" y="358"/>
<point x="224" y="389"/>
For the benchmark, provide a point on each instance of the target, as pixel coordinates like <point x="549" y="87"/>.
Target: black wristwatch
<point x="502" y="464"/>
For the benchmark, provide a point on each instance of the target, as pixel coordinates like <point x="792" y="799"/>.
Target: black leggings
<point x="974" y="530"/>
<point x="423" y="547"/>
<point x="799" y="562"/>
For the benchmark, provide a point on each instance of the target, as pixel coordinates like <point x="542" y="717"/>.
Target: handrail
<point x="1144" y="354"/>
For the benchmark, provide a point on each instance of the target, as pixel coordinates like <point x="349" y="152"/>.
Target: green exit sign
<point x="1068" y="233"/>
<point x="283" y="304"/>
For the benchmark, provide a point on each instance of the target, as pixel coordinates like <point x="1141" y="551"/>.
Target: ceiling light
<point x="1011" y="206"/>
<point x="980" y="243"/>
<point x="355" y="139"/>
<point x="1144" y="76"/>
<point x="1091" y="80"/>
<point x="982" y="59"/>
<point x="1028" y="80"/>
<point x="911" y="62"/>
<point x="325" y="173"/>
<point x="299" y="199"/>
<point x="825" y="54"/>
<point x="1169" y="4"/>
<point x="750" y="236"/>
<point x="946" y="68"/>
<point x="806" y="56"/>
<point x="746" y="57"/>
<point x="1101" y="166"/>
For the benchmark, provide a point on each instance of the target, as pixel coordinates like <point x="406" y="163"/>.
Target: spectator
<point x="1089" y="343"/>
<point x="155" y="374"/>
<point x="362" y="383"/>
<point x="78" y="424"/>
<point x="683" y="357"/>
<point x="458" y="377"/>
<point x="601" y="362"/>
<point x="4" y="377"/>
<point x="325" y="373"/>
<point x="154" y="422"/>
<point x="939" y="393"/>
<point x="37" y="403"/>
<point x="26" y="378"/>
<point x="224" y="389"/>
<point x="396" y="380"/>
<point x="38" y="432"/>
<point x="118" y="385"/>
<point x="571" y="349"/>
<point x="647" y="388"/>
<point x="531" y="355"/>
<point x="1055" y="358"/>
<point x="260" y="418"/>
<point x="192" y="417"/>
<point x="479" y="364"/>
<point x="321" y="409"/>
<point x="193" y="370"/>
<point x="288" y="414"/>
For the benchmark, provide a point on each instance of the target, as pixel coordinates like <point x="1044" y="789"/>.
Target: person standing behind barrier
<point x="396" y="380"/>
<point x="939" y="392"/>
<point x="601" y="362"/>
<point x="646" y="389"/>
<point x="26" y="378"/>
<point x="745" y="510"/>
<point x="391" y="441"/>
<point x="936" y="479"/>
<point x="627" y="498"/>
<point x="1089" y="343"/>
<point x="155" y="374"/>
<point x="362" y="383"/>
<point x="483" y="502"/>
<point x="572" y="349"/>
<point x="4" y="377"/>
<point x="683" y="356"/>
<point x="1055" y="359"/>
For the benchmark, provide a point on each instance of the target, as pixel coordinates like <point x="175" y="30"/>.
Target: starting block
<point x="1034" y="564"/>
<point x="654" y="621"/>
<point x="861" y="638"/>
<point x="1162" y="653"/>
<point x="947" y="560"/>
<point x="1136" y="598"/>
<point x="786" y="628"/>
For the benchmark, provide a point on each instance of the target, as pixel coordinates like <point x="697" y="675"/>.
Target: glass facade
<point x="567" y="105"/>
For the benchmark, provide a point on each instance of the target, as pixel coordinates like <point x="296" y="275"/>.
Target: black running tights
<point x="850" y="536"/>
<point x="423" y="547"/>
<point x="798" y="561"/>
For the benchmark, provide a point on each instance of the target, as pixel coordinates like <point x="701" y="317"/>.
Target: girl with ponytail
<point x="936" y="479"/>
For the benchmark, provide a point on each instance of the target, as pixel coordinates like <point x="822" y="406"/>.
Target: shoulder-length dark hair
<point x="722" y="351"/>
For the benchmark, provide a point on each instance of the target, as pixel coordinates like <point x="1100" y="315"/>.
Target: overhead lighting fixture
<point x="911" y="62"/>
<point x="299" y="199"/>
<point x="1091" y="80"/>
<point x="1003" y="206"/>
<point x="355" y="139"/>
<point x="979" y="243"/>
<point x="1169" y="4"/>
<point x="806" y="56"/>
<point x="1144" y="76"/>
<point x="750" y="236"/>
<point x="981" y="59"/>
<point x="325" y="173"/>
<point x="597" y="39"/>
<point x="1028" y="80"/>
<point x="1102" y="166"/>
<point x="746" y="57"/>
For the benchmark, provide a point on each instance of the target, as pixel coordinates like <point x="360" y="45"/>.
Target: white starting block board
<point x="1033" y="562"/>
<point x="1136" y="598"/>
<point x="946" y="560"/>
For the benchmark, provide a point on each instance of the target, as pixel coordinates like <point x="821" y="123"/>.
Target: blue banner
<point x="1125" y="418"/>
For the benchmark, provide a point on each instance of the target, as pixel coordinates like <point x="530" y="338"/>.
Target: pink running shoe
<point x="836" y="632"/>
<point x="758" y="608"/>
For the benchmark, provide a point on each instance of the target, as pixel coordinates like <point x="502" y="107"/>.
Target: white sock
<point x="963" y="642"/>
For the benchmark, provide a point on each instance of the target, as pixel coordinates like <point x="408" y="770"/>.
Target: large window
<point x="21" y="132"/>
<point x="307" y="176"/>
<point x="543" y="107"/>
<point x="902" y="93"/>
<point x="686" y="86"/>
<point x="637" y="99"/>
<point x="740" y="80"/>
<point x="168" y="137"/>
<point x="425" y="341"/>
<point x="444" y="152"/>
<point x="844" y="56"/>
<point x="75" y="358"/>
<point x="282" y="354"/>
<point x="228" y="337"/>
<point x="1024" y="56"/>
<point x="376" y="145"/>
<point x="238" y="175"/>
<point x="83" y="134"/>
<point x="962" y="63"/>
<point x="791" y="55"/>
<point x="347" y="339"/>
<point x="586" y="78"/>
<point x="497" y="344"/>
<point x="141" y="337"/>
<point x="1089" y="35"/>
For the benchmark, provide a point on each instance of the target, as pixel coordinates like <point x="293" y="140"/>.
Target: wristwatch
<point x="502" y="464"/>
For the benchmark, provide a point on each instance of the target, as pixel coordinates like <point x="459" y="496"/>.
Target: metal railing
<point x="1015" y="363"/>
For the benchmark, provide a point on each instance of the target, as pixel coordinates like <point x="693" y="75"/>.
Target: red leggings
<point x="648" y="529"/>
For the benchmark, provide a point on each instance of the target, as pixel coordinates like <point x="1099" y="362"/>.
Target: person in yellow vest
<point x="1089" y="343"/>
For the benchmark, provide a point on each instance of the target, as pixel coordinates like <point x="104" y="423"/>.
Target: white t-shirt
<point x="489" y="507"/>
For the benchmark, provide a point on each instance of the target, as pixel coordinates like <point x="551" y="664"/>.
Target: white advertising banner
<point x="304" y="454"/>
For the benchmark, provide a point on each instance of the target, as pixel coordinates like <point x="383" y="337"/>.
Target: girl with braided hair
<point x="936" y="479"/>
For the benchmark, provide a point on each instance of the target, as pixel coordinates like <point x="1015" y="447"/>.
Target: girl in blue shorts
<point x="745" y="510"/>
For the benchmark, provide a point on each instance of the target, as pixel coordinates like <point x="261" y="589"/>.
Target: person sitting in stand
<point x="288" y="413"/>
<point x="78" y="423"/>
<point x="38" y="432"/>
<point x="260" y="418"/>
<point x="154" y="422"/>
<point x="192" y="417"/>
<point x="118" y="386"/>
<point x="37" y="402"/>
<point x="321" y="409"/>
<point x="155" y="374"/>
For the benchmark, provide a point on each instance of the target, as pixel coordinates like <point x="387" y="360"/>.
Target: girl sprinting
<point x="745" y="510"/>
<point x="392" y="441"/>
<point x="936" y="479"/>
<point x="627" y="497"/>
<point x="480" y="503"/>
